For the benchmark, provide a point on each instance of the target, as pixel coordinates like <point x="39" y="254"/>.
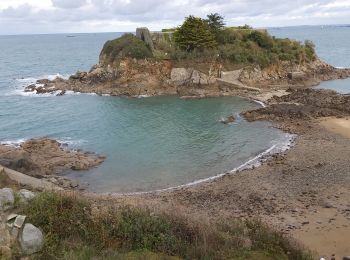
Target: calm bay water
<point x="150" y="143"/>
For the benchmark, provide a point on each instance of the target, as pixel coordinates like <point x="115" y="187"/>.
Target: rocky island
<point x="230" y="61"/>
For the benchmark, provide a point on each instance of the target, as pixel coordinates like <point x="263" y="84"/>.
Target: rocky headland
<point x="47" y="159"/>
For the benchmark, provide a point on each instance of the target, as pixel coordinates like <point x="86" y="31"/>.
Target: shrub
<point x="264" y="40"/>
<point x="310" y="50"/>
<point x="76" y="229"/>
<point x="126" y="46"/>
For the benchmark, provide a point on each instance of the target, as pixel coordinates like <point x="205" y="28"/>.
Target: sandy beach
<point x="337" y="125"/>
<point x="303" y="192"/>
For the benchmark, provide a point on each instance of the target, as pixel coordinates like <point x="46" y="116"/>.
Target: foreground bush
<point x="77" y="229"/>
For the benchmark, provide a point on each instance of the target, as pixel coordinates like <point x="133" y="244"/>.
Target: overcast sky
<point x="55" y="16"/>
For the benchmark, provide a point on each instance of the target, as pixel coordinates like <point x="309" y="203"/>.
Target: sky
<point x="80" y="16"/>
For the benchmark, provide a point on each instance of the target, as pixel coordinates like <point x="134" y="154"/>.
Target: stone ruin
<point x="145" y="35"/>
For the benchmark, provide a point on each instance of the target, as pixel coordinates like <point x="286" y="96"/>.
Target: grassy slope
<point x="75" y="228"/>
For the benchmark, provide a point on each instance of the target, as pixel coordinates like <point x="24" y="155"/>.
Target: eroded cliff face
<point x="139" y="77"/>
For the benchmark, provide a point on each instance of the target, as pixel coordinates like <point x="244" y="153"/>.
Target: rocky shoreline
<point x="303" y="192"/>
<point x="48" y="159"/>
<point x="133" y="78"/>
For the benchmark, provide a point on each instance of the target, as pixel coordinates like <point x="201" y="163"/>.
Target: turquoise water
<point x="332" y="46"/>
<point x="150" y="143"/>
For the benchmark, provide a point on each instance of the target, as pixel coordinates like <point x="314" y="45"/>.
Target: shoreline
<point x="291" y="190"/>
<point x="251" y="163"/>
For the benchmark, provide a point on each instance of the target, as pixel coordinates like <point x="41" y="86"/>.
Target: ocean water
<point x="150" y="143"/>
<point x="332" y="46"/>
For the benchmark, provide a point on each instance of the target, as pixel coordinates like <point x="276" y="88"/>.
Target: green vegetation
<point x="126" y="46"/>
<point x="78" y="229"/>
<point x="207" y="40"/>
<point x="216" y="23"/>
<point x="194" y="33"/>
<point x="244" y="45"/>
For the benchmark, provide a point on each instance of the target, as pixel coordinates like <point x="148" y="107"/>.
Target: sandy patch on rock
<point x="337" y="125"/>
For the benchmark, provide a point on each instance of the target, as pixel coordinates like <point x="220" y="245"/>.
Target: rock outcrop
<point x="302" y="104"/>
<point x="42" y="157"/>
<point x="135" y="77"/>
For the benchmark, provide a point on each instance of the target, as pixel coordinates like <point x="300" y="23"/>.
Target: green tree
<point x="215" y="22"/>
<point x="194" y="33"/>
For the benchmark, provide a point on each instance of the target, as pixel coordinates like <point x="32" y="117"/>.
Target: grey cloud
<point x="68" y="4"/>
<point x="90" y="15"/>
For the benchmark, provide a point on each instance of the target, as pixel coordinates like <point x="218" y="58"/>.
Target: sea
<point x="151" y="143"/>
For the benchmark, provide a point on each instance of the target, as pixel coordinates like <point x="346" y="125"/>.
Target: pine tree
<point x="194" y="33"/>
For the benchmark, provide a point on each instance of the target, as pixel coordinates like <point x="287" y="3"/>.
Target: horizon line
<point x="262" y="27"/>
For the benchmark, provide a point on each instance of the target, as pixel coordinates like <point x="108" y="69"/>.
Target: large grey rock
<point x="26" y="195"/>
<point x="296" y="75"/>
<point x="180" y="76"/>
<point x="200" y="78"/>
<point x="144" y="34"/>
<point x="31" y="239"/>
<point x="7" y="199"/>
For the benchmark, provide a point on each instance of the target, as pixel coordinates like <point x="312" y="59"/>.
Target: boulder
<point x="200" y="78"/>
<point x="296" y="75"/>
<point x="43" y="81"/>
<point x="31" y="239"/>
<point x="228" y="120"/>
<point x="7" y="198"/>
<point x="61" y="93"/>
<point x="30" y="88"/>
<point x="26" y="195"/>
<point x="79" y="75"/>
<point x="180" y="76"/>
